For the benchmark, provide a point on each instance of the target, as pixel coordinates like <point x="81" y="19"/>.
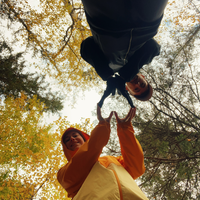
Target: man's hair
<point x="73" y="130"/>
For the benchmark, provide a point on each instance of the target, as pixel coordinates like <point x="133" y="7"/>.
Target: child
<point x="122" y="41"/>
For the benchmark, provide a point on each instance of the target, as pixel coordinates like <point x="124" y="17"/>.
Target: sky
<point x="84" y="106"/>
<point x="82" y="109"/>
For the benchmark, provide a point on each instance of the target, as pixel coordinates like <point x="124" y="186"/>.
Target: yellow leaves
<point x="55" y="28"/>
<point x="69" y="8"/>
<point x="21" y="190"/>
<point x="171" y="2"/>
<point x="30" y="150"/>
<point x="15" y="112"/>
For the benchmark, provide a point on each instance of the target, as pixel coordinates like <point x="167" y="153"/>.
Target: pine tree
<point x="13" y="80"/>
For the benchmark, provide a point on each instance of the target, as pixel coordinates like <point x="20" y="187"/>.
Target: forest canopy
<point x="50" y="33"/>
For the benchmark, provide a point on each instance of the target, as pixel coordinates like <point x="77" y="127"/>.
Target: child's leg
<point x="109" y="9"/>
<point x="125" y="10"/>
<point x="109" y="14"/>
<point x="149" y="10"/>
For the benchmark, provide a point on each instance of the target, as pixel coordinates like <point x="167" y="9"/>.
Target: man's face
<point x="73" y="140"/>
<point x="137" y="85"/>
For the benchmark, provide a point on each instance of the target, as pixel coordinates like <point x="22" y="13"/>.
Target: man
<point x="122" y="42"/>
<point x="87" y="175"/>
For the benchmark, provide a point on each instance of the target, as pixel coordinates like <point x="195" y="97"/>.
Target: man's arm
<point x="74" y="173"/>
<point x="132" y="153"/>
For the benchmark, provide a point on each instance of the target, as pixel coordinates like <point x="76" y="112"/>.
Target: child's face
<point x="138" y="85"/>
<point x="73" y="140"/>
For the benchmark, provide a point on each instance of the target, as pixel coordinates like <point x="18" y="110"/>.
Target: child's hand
<point x="100" y="118"/>
<point x="128" y="118"/>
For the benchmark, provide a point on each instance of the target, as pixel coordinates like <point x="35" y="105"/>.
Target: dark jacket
<point x="130" y="47"/>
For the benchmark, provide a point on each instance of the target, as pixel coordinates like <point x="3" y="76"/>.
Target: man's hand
<point x="100" y="118"/>
<point x="128" y="118"/>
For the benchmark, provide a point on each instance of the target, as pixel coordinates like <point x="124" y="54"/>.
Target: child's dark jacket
<point x="130" y="47"/>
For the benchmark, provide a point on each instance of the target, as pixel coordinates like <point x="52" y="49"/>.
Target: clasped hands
<point x="113" y="84"/>
<point x="128" y="118"/>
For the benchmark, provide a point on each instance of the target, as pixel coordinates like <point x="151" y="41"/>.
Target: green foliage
<point x="13" y="80"/>
<point x="169" y="129"/>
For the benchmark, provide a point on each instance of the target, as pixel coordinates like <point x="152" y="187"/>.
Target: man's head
<point x="139" y="88"/>
<point x="73" y="139"/>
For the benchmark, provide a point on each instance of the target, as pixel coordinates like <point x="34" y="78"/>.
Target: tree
<point x="13" y="80"/>
<point x="31" y="151"/>
<point x="54" y="32"/>
<point x="167" y="126"/>
<point x="27" y="148"/>
<point x="170" y="132"/>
